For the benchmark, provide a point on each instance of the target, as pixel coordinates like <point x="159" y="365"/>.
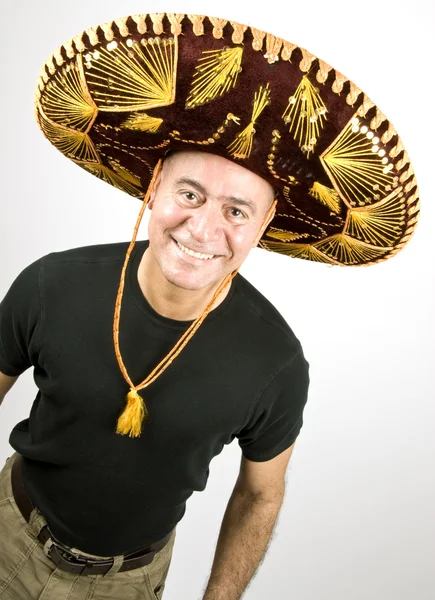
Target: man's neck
<point x="169" y="300"/>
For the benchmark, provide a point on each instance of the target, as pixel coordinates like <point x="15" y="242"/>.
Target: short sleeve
<point x="20" y="312"/>
<point x="278" y="414"/>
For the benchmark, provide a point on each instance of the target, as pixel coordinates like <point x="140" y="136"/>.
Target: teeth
<point x="195" y="254"/>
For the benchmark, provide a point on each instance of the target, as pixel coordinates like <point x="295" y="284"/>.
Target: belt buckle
<point x="65" y="555"/>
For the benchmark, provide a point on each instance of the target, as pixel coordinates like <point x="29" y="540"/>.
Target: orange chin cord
<point x="135" y="412"/>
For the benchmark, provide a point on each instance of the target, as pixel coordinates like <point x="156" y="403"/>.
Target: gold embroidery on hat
<point x="327" y="196"/>
<point x="285" y="236"/>
<point x="78" y="43"/>
<point x="43" y="75"/>
<point x="66" y="99"/>
<point x="218" y="26"/>
<point x="412" y="210"/>
<point x="197" y="22"/>
<point x="339" y="82"/>
<point x="409" y="173"/>
<point x="58" y="58"/>
<point x="122" y="26"/>
<point x="287" y="50"/>
<point x="108" y="31"/>
<point x="304" y="218"/>
<point x="306" y="251"/>
<point x="142" y="122"/>
<point x="50" y="66"/>
<point x="323" y="71"/>
<point x="305" y="113"/>
<point x="215" y="74"/>
<point x="230" y="119"/>
<point x="411" y="185"/>
<point x="276" y="138"/>
<point x="157" y="19"/>
<point x="377" y="120"/>
<point x="273" y="48"/>
<point x="69" y="49"/>
<point x="358" y="166"/>
<point x="132" y="76"/>
<point x="352" y="97"/>
<point x="415" y="208"/>
<point x="141" y="25"/>
<point x="258" y="37"/>
<point x="306" y="61"/>
<point x="125" y="173"/>
<point x="394" y="152"/>
<point x="380" y="224"/>
<point x="366" y="105"/>
<point x="388" y="134"/>
<point x="129" y="155"/>
<point x="241" y="147"/>
<point x="175" y="21"/>
<point x="72" y="143"/>
<point x="93" y="36"/>
<point x="121" y="145"/>
<point x="349" y="251"/>
<point x="118" y="180"/>
<point x="238" y="32"/>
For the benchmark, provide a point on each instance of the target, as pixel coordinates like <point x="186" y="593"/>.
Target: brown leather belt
<point x="61" y="555"/>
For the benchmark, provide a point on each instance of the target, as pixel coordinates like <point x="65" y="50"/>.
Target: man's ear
<point x="154" y="190"/>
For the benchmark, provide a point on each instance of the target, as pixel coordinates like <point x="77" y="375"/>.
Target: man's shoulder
<point x="92" y="253"/>
<point x="263" y="315"/>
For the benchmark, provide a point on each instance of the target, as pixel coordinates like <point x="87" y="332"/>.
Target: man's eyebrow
<point x="192" y="183"/>
<point x="234" y="199"/>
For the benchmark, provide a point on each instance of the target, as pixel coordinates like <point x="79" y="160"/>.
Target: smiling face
<point x="206" y="215"/>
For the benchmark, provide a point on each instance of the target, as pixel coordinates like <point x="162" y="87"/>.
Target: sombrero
<point x="117" y="98"/>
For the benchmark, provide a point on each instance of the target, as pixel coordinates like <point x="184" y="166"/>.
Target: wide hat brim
<point x="118" y="97"/>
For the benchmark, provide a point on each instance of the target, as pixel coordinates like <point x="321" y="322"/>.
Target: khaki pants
<point x="26" y="573"/>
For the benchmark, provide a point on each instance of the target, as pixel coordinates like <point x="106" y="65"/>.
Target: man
<point x="206" y="215"/>
<point x="240" y="119"/>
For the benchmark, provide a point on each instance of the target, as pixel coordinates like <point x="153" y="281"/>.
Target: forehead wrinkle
<point x="234" y="199"/>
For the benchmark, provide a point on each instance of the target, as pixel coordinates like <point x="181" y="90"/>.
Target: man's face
<point x="206" y="214"/>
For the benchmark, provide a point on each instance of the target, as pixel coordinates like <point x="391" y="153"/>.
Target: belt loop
<point x="47" y="547"/>
<point x="36" y="523"/>
<point x="117" y="564"/>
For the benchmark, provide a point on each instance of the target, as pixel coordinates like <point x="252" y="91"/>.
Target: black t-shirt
<point x="243" y="375"/>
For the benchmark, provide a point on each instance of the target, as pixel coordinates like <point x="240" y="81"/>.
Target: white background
<point x="358" y="517"/>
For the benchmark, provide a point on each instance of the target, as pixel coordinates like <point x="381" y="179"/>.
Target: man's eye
<point x="189" y="196"/>
<point x="237" y="213"/>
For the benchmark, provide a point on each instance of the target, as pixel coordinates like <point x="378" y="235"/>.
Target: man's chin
<point x="189" y="284"/>
<point x="192" y="282"/>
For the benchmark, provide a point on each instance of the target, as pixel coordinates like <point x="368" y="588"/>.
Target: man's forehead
<point x="195" y="163"/>
<point x="193" y="158"/>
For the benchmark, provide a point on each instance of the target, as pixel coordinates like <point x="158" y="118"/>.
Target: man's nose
<point x="205" y="223"/>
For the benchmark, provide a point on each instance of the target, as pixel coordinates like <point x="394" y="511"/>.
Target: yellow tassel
<point x="242" y="145"/>
<point x="142" y="122"/>
<point x="130" y="422"/>
<point x="327" y="196"/>
<point x="285" y="236"/>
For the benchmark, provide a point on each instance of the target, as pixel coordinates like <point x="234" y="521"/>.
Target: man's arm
<point x="245" y="532"/>
<point x="247" y="526"/>
<point x="6" y="382"/>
